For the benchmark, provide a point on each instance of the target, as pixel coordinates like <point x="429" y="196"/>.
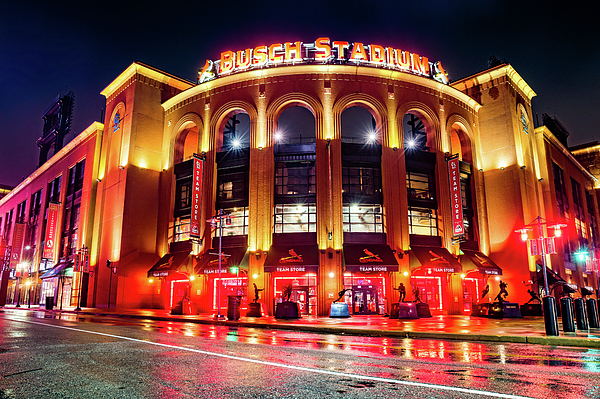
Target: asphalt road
<point x="98" y="357"/>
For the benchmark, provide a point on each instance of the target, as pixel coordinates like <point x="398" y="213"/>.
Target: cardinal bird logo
<point x="207" y="73"/>
<point x="436" y="258"/>
<point x="293" y="258"/>
<point x="167" y="264"/>
<point x="370" y="258"/>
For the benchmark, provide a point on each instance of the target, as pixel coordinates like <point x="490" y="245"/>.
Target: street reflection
<point x="405" y="348"/>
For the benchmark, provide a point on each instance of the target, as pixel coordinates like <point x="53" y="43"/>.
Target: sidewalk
<point x="528" y="330"/>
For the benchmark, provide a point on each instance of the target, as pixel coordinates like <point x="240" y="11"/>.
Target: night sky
<point x="47" y="50"/>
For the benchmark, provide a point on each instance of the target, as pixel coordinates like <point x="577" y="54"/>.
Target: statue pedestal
<point x="531" y="309"/>
<point x="254" y="310"/>
<point x="504" y="310"/>
<point x="407" y="310"/>
<point x="339" y="310"/>
<point x="481" y="310"/>
<point x="423" y="310"/>
<point x="287" y="310"/>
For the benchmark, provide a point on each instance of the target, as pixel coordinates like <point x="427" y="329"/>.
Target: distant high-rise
<point x="57" y="124"/>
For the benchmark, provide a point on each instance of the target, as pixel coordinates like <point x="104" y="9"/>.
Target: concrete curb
<point x="592" y="343"/>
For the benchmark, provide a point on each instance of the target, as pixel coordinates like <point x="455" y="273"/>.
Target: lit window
<point x="182" y="229"/>
<point x="295" y="218"/>
<point x="239" y="223"/>
<point x="422" y="221"/>
<point x="363" y="218"/>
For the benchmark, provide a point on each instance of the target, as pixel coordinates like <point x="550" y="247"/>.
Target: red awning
<point x="369" y="258"/>
<point x="436" y="259"/>
<point x="292" y="258"/>
<point x="168" y="264"/>
<point x="483" y="264"/>
<point x="233" y="257"/>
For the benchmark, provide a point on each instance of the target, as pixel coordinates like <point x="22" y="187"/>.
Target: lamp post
<point x="18" y="291"/>
<point x="19" y="273"/>
<point x="113" y="270"/>
<point x="543" y="246"/>
<point x="28" y="284"/>
<point x="80" y="263"/>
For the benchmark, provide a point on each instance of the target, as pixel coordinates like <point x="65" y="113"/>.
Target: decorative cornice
<point x="138" y="68"/>
<point x="493" y="74"/>
<point x="322" y="71"/>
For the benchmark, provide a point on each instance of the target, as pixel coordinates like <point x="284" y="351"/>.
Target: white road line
<point x="311" y="370"/>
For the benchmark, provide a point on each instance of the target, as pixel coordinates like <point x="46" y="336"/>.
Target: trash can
<point x="233" y="307"/>
<point x="581" y="314"/>
<point x="49" y="302"/>
<point x="568" y="314"/>
<point x="592" y="310"/>
<point x="177" y="309"/>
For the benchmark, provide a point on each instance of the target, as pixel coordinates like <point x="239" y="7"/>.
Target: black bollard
<point x="592" y="310"/>
<point x="550" y="319"/>
<point x="581" y="314"/>
<point x="568" y="314"/>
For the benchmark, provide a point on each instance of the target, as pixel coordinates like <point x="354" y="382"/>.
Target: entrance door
<point x="179" y="291"/>
<point x="300" y="296"/>
<point x="364" y="301"/>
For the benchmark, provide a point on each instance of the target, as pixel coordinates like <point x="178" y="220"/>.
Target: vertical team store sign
<point x="458" y="225"/>
<point x="196" y="211"/>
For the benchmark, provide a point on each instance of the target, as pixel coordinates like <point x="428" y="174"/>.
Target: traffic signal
<point x="233" y="269"/>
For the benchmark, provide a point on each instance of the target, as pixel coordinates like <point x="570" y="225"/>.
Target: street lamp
<point x="81" y="266"/>
<point x="19" y="273"/>
<point x="28" y="284"/>
<point x="113" y="270"/>
<point x="544" y="246"/>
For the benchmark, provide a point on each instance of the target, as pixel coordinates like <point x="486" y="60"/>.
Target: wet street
<point x="72" y="356"/>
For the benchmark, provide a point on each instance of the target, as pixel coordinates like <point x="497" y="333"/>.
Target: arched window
<point x="420" y="178"/>
<point x="361" y="172"/>
<point x="233" y="168"/>
<point x="295" y="172"/>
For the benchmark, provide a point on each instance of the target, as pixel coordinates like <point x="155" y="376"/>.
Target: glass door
<point x="300" y="296"/>
<point x="364" y="301"/>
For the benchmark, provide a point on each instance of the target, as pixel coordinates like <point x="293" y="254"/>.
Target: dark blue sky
<point x="48" y="49"/>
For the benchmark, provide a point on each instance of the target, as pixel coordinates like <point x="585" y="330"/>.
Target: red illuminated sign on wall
<point x="458" y="225"/>
<point x="49" y="242"/>
<point x="196" y="198"/>
<point x="17" y="246"/>
<point x="323" y="51"/>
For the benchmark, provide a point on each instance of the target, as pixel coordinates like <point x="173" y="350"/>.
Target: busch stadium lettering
<point x="321" y="51"/>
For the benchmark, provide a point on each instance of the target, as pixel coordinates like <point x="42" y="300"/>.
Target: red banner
<point x="22" y="270"/>
<point x="17" y="246"/>
<point x="49" y="242"/>
<point x="196" y="212"/>
<point x="82" y="263"/>
<point x="458" y="225"/>
<point x="2" y="251"/>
